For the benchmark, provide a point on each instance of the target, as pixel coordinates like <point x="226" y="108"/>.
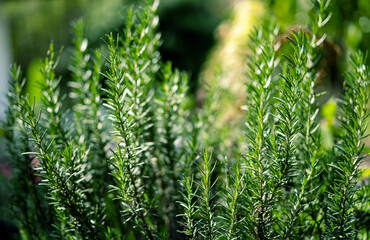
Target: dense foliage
<point x="131" y="158"/>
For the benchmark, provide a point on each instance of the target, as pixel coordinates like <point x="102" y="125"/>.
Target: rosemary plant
<point x="342" y="194"/>
<point x="126" y="160"/>
<point x="32" y="210"/>
<point x="261" y="171"/>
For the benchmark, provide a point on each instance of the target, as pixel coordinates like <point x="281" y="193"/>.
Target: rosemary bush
<point x="133" y="159"/>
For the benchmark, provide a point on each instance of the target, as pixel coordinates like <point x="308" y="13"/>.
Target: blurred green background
<point x="193" y="31"/>
<point x="189" y="27"/>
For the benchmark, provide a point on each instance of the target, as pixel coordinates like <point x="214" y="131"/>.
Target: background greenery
<point x="189" y="28"/>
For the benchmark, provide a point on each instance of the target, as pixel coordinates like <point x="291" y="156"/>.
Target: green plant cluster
<point x="131" y="158"/>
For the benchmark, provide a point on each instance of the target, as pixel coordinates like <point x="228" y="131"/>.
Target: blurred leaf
<point x="34" y="77"/>
<point x="328" y="111"/>
<point x="353" y="35"/>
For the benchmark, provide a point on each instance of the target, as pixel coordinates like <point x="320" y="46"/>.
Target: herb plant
<point x="133" y="159"/>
